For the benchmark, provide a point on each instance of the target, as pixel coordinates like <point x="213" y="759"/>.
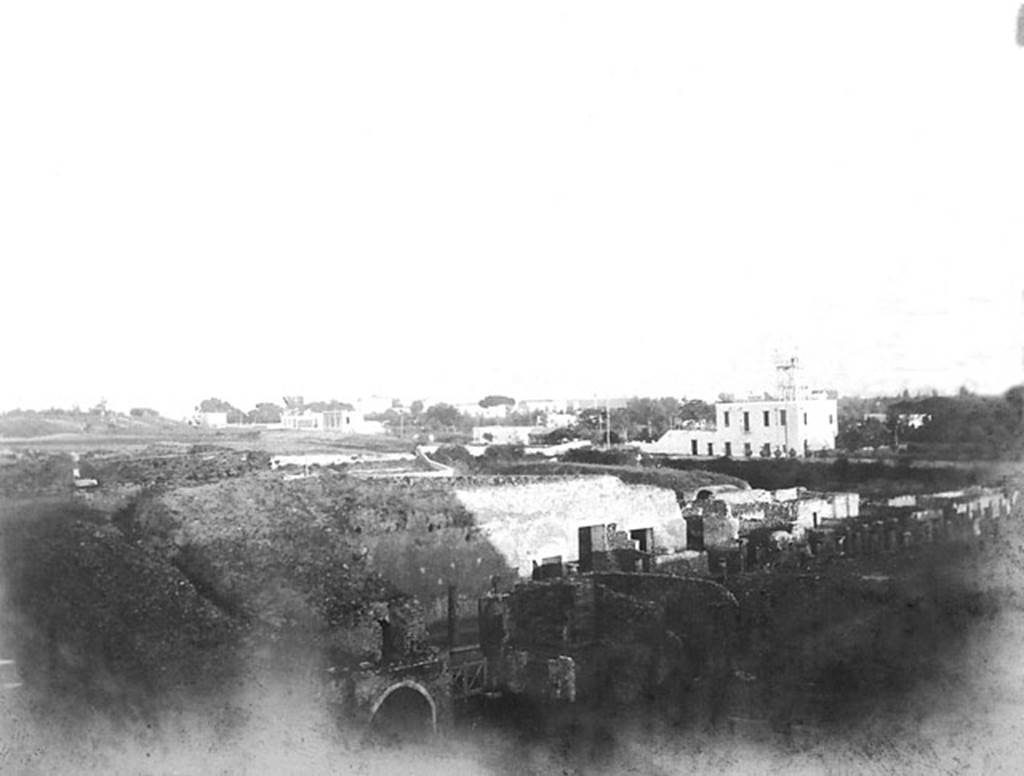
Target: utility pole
<point x="607" y="423"/>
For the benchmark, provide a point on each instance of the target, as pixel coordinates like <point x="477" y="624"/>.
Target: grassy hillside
<point x="27" y="424"/>
<point x="186" y="590"/>
<point x="419" y="539"/>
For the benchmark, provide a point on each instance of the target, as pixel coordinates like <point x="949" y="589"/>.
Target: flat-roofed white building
<point x="758" y="427"/>
<point x="776" y="427"/>
<point x="681" y="441"/>
<point x="346" y="421"/>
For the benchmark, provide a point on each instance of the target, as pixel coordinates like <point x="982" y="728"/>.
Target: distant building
<point x="548" y="406"/>
<point x="779" y="427"/>
<point x="347" y="421"/>
<point x="913" y="419"/>
<point x="764" y="427"/>
<point x="302" y="420"/>
<point x="212" y="419"/>
<point x="474" y="410"/>
<point x="341" y="420"/>
<point x="908" y="419"/>
<point x="577" y="405"/>
<point x="503" y="435"/>
<point x="796" y="422"/>
<point x="558" y="419"/>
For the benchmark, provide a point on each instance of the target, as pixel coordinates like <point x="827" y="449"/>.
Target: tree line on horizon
<point x="964" y="425"/>
<point x="642" y="419"/>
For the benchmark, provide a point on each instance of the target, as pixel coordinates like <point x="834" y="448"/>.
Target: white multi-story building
<point x="759" y="427"/>
<point x="797" y="423"/>
<point x="797" y="426"/>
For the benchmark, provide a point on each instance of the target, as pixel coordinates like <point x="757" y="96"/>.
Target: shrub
<point x="503" y="454"/>
<point x="622" y="456"/>
<point x="454" y="455"/>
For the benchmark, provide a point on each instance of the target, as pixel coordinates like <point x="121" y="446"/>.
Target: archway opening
<point x="404" y="715"/>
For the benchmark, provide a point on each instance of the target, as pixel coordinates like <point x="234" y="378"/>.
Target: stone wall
<point x="627" y="635"/>
<point x="527" y="519"/>
<point x="718" y="525"/>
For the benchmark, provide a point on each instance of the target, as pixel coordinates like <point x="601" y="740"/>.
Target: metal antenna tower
<point x="786" y="371"/>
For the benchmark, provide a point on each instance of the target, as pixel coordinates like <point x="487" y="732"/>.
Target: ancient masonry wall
<point x="527" y="520"/>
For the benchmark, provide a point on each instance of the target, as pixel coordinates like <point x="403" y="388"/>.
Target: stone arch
<point x="405" y="686"/>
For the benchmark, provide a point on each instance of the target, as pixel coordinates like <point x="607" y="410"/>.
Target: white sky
<point x="532" y="198"/>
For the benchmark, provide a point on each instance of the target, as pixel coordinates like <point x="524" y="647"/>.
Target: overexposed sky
<point x="534" y="198"/>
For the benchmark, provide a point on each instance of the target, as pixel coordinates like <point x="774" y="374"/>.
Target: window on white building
<point x="725" y="419"/>
<point x="746" y="421"/>
<point x="711" y="448"/>
<point x="782" y="417"/>
<point x="767" y="418"/>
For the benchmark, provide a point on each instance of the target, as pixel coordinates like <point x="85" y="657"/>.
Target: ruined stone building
<point x="609" y="637"/>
